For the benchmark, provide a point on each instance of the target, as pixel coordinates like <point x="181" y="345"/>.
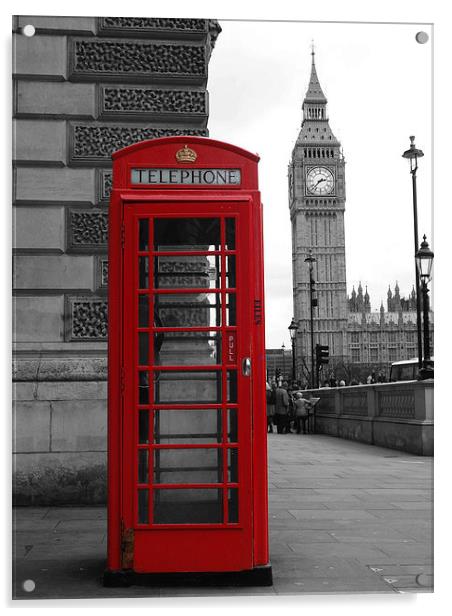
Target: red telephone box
<point x="187" y="436"/>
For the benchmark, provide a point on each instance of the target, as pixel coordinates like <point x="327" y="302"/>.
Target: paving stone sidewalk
<point x="344" y="518"/>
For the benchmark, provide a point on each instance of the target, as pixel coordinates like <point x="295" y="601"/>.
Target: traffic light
<point x="278" y="372"/>
<point x="322" y="354"/>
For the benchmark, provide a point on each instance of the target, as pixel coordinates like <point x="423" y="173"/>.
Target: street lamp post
<point x="293" y="332"/>
<point x="412" y="155"/>
<point x="283" y="348"/>
<point x="310" y="259"/>
<point x="424" y="259"/>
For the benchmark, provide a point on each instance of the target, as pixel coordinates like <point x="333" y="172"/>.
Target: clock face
<point x="320" y="181"/>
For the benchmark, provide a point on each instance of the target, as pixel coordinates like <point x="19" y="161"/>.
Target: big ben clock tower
<point x="317" y="205"/>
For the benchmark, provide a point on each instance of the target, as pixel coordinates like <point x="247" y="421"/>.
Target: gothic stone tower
<point x="317" y="205"/>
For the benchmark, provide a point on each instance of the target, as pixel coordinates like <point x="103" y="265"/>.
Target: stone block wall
<point x="83" y="88"/>
<point x="394" y="415"/>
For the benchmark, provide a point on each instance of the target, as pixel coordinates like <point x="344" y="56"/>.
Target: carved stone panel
<point x="101" y="273"/>
<point x="153" y="103"/>
<point x="396" y="404"/>
<point x="86" y="318"/>
<point x="87" y="230"/>
<point x="92" y="144"/>
<point x="193" y="28"/>
<point x="136" y="61"/>
<point x="104" y="179"/>
<point x="175" y="274"/>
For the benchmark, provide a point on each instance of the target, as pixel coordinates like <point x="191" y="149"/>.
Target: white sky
<point x="377" y="80"/>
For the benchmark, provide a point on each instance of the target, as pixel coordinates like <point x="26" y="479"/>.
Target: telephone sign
<point x="185" y="176"/>
<point x="187" y="428"/>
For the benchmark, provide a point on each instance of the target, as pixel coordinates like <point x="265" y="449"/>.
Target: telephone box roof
<point x="184" y="139"/>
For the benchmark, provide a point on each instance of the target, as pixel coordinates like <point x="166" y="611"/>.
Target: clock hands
<point x="318" y="182"/>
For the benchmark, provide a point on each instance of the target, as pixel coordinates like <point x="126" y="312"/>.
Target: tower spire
<point x="314" y="104"/>
<point x="314" y="92"/>
<point x="315" y="128"/>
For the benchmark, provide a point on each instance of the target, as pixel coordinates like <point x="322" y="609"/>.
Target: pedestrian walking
<point x="271" y="399"/>
<point x="282" y="409"/>
<point x="301" y="412"/>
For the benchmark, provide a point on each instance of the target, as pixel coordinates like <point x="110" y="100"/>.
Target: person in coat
<point x="271" y="398"/>
<point x="302" y="407"/>
<point x="282" y="409"/>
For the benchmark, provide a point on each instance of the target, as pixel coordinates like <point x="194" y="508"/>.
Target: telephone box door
<point x="187" y="412"/>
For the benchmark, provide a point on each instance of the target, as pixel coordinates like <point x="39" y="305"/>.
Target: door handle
<point x="246" y="366"/>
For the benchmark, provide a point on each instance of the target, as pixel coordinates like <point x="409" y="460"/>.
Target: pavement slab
<point x="344" y="517"/>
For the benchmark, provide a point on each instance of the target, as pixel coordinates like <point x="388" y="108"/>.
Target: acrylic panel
<point x="329" y="107"/>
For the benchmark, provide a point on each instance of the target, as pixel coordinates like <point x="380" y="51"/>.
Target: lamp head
<point x="413" y="154"/>
<point x="424" y="260"/>
<point x="293" y="329"/>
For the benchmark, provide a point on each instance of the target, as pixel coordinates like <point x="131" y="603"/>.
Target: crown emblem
<point x="186" y="155"/>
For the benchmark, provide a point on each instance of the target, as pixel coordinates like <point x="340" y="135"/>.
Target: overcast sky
<point x="377" y="80"/>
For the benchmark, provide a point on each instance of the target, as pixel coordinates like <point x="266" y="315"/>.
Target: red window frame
<point x="133" y="290"/>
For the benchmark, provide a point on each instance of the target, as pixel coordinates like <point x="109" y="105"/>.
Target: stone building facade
<point x="360" y="340"/>
<point x="378" y="338"/>
<point x="83" y="88"/>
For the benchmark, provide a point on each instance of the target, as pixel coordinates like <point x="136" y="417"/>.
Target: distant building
<point x="380" y="337"/>
<point x="360" y="341"/>
<point x="279" y="362"/>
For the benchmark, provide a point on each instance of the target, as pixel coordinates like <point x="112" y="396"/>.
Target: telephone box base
<point x="259" y="576"/>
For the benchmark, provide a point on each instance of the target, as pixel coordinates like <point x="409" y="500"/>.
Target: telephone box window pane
<point x="188" y="387"/>
<point x="143" y="388"/>
<point x="189" y="309"/>
<point x="188" y="466"/>
<point x="144" y="235"/>
<point x="143" y="426"/>
<point x="143" y="466"/>
<point x="143" y="311"/>
<point x="143" y="272"/>
<point x="231" y="310"/>
<point x="143" y="344"/>
<point x="230" y="233"/>
<point x="143" y="506"/>
<point x="193" y="348"/>
<point x="233" y="465"/>
<point x="187" y="426"/>
<point x="232" y="386"/>
<point x="188" y="506"/>
<point x="187" y="271"/>
<point x="232" y="426"/>
<point x="233" y="505"/>
<point x="186" y="234"/>
<point x="230" y="272"/>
